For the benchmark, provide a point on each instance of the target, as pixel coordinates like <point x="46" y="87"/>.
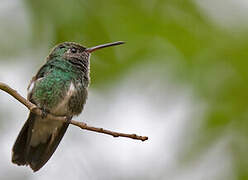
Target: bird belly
<point x="43" y="128"/>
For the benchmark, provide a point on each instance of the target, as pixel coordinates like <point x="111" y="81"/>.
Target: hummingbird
<point x="60" y="87"/>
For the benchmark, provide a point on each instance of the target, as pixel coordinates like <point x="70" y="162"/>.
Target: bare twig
<point x="33" y="108"/>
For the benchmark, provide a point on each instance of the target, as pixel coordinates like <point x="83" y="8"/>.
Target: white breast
<point x="61" y="108"/>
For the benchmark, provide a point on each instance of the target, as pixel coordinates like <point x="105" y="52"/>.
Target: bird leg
<point x="44" y="113"/>
<point x="68" y="119"/>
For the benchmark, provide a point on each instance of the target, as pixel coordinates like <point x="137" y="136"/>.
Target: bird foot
<point x="68" y="119"/>
<point x="44" y="113"/>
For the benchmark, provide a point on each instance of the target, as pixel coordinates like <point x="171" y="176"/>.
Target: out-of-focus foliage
<point x="173" y="35"/>
<point x="147" y="27"/>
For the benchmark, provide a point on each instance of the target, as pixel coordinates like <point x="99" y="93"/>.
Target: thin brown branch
<point x="33" y="108"/>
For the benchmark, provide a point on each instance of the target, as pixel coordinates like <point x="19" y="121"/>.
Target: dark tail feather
<point x="19" y="149"/>
<point x="39" y="155"/>
<point x="36" y="157"/>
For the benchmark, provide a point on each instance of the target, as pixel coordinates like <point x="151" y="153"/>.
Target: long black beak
<point x="92" y="49"/>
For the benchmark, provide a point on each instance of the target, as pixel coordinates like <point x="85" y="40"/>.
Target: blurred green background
<point x="181" y="79"/>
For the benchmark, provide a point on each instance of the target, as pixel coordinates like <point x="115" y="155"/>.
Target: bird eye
<point x="73" y="50"/>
